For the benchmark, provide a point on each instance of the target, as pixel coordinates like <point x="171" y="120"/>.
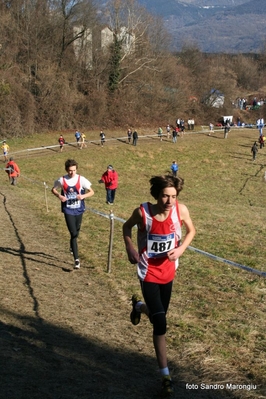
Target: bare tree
<point x="56" y="73"/>
<point x="131" y="25"/>
<point x="70" y="14"/>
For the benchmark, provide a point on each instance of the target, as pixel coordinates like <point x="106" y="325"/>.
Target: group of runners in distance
<point x="131" y="135"/>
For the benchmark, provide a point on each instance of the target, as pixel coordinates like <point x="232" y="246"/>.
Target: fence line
<point x="112" y="217"/>
<point x="229" y="262"/>
<point x="207" y="254"/>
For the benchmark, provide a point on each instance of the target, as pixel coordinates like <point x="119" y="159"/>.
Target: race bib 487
<point x="159" y="245"/>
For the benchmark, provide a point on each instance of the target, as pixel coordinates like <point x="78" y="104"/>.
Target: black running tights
<point x="157" y="298"/>
<point x="73" y="223"/>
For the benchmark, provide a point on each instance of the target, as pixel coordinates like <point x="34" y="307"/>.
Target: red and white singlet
<point x="154" y="241"/>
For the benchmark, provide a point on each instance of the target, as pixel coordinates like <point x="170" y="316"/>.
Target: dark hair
<point x="69" y="163"/>
<point x="159" y="183"/>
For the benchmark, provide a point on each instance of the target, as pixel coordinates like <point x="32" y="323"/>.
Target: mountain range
<point x="213" y="26"/>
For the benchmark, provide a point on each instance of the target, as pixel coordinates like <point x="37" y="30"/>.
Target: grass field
<point x="216" y="322"/>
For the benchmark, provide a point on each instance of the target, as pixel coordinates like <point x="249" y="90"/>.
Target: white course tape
<point x="217" y="258"/>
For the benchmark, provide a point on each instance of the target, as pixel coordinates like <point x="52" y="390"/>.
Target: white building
<point x="84" y="42"/>
<point x="83" y="45"/>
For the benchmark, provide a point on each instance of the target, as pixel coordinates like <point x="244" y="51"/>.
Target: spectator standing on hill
<point x="61" y="142"/>
<point x="74" y="189"/>
<point x="261" y="141"/>
<point x="110" y="179"/>
<point x="102" y="137"/>
<point x="261" y="126"/>
<point x="254" y="150"/>
<point x="174" y="135"/>
<point x="160" y="133"/>
<point x="83" y="138"/>
<point x="159" y="249"/>
<point x="211" y="128"/>
<point x="174" y="168"/>
<point x="5" y="148"/>
<point x="226" y="129"/>
<point x="168" y="130"/>
<point x="13" y="171"/>
<point x="182" y="127"/>
<point x="192" y="121"/>
<point x="129" y="135"/>
<point x="77" y="136"/>
<point x="135" y="137"/>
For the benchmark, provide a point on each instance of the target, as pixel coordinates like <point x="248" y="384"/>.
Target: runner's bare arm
<point x="135" y="219"/>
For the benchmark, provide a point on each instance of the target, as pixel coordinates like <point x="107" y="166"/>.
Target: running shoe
<point x="134" y="315"/>
<point x="167" y="387"/>
<point x="77" y="264"/>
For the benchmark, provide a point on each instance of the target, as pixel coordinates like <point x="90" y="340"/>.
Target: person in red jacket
<point x="13" y="171"/>
<point x="110" y="179"/>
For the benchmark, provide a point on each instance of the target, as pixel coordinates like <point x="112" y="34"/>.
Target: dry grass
<point x="216" y="322"/>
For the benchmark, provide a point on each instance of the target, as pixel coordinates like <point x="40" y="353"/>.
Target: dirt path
<point x="66" y="334"/>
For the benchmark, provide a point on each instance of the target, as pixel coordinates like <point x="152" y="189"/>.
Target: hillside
<point x="185" y="7"/>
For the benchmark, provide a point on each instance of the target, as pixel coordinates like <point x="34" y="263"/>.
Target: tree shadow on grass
<point x="122" y="140"/>
<point x="42" y="360"/>
<point x="261" y="167"/>
<point x="214" y="136"/>
<point x="40" y="259"/>
<point x="29" y="255"/>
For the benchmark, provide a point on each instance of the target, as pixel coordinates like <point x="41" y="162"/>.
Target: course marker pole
<point x="45" y="196"/>
<point x="111" y="217"/>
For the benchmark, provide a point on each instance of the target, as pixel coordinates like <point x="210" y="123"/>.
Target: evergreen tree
<point x="116" y="55"/>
